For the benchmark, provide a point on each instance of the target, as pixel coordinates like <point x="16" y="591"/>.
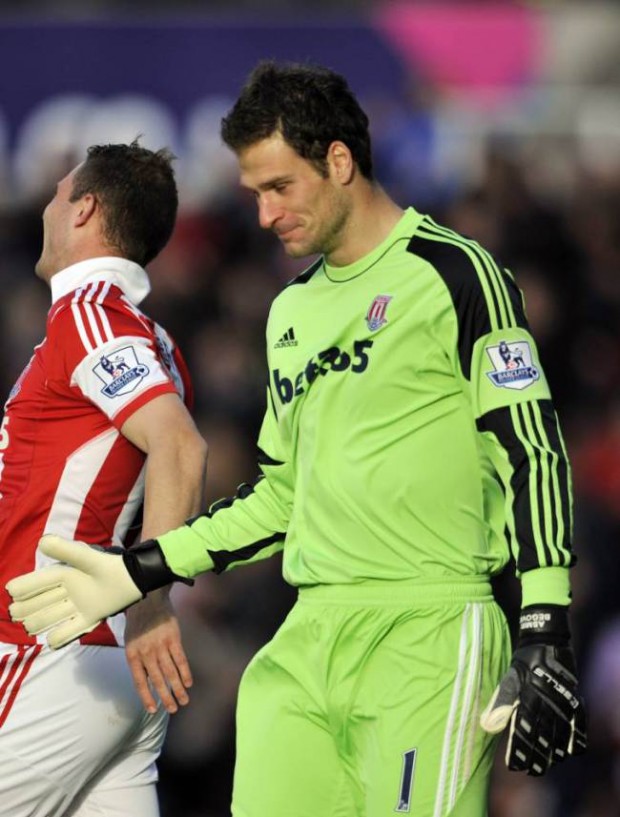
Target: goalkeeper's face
<point x="306" y="210"/>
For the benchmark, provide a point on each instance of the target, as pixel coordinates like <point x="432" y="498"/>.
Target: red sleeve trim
<point x="141" y="400"/>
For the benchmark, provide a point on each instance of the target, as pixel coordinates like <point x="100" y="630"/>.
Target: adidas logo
<point x="287" y="339"/>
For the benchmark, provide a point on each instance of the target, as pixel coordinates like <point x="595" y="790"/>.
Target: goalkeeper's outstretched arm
<point x="69" y="599"/>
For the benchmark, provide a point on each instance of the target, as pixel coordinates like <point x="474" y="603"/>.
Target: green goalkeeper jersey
<point x="409" y="432"/>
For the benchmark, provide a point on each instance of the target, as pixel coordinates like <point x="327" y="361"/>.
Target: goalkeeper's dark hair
<point x="309" y="105"/>
<point x="136" y="190"/>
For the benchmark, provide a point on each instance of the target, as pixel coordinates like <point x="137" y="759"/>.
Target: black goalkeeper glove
<point x="538" y="697"/>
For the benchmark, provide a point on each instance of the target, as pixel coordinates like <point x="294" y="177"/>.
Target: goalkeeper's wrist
<point x="147" y="567"/>
<point x="544" y="624"/>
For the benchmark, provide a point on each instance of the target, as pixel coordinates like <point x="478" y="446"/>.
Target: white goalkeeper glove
<point x="70" y="599"/>
<point x="539" y="697"/>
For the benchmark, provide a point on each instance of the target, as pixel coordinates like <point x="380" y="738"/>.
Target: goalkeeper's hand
<point x="538" y="697"/>
<point x="70" y="599"/>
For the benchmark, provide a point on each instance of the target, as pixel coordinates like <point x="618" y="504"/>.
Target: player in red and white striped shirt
<point x="95" y="428"/>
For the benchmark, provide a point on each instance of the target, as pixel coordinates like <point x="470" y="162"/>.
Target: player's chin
<point x="294" y="250"/>
<point x="41" y="268"/>
<point x="297" y="249"/>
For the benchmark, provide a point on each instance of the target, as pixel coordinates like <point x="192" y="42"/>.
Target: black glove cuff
<point x="544" y="624"/>
<point x="147" y="567"/>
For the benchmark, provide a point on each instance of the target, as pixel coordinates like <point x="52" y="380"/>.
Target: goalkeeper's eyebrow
<point x="269" y="184"/>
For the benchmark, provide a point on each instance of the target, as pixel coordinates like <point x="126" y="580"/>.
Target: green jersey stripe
<point x="516" y="296"/>
<point x="549" y="431"/>
<point x="544" y="485"/>
<point x="558" y="487"/>
<point x="465" y="284"/>
<point x="492" y="270"/>
<point x="505" y="289"/>
<point x="553" y="488"/>
<point x="557" y="440"/>
<point x="488" y="267"/>
<point x="535" y="483"/>
<point x="425" y="231"/>
<point x="527" y="440"/>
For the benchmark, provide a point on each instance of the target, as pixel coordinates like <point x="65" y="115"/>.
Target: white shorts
<point x="75" y="740"/>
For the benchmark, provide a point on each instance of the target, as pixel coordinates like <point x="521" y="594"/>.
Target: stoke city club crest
<point x="375" y="317"/>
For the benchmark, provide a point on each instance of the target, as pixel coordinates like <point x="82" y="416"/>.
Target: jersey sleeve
<point x="245" y="528"/>
<point x="521" y="435"/>
<point x="121" y="376"/>
<point x="496" y="357"/>
<point x="111" y="355"/>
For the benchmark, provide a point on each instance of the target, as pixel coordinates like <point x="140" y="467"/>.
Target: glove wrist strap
<point x="147" y="567"/>
<point x="544" y="624"/>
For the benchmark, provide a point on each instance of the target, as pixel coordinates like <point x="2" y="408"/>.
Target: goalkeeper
<point x="403" y="457"/>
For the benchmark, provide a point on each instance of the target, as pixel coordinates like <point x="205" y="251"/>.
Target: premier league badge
<point x="513" y="365"/>
<point x="120" y="372"/>
<point x="375" y="317"/>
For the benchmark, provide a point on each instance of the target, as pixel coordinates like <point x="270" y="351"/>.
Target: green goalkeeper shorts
<point x="366" y="703"/>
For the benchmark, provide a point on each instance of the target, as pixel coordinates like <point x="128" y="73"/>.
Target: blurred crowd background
<point x="500" y="119"/>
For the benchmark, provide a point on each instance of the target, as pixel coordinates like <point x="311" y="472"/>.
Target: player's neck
<point x="371" y="221"/>
<point x="84" y="253"/>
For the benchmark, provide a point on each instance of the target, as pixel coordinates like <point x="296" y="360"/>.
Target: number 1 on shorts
<point x="406" y="782"/>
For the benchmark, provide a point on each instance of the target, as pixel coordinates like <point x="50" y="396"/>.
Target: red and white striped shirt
<point x="65" y="468"/>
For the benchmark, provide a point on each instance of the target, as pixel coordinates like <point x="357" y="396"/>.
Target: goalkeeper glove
<point x="538" y="696"/>
<point x="70" y="599"/>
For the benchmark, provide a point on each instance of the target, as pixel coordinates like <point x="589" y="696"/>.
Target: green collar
<point x="405" y="228"/>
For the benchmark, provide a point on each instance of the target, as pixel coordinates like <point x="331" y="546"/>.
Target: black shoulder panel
<point x="306" y="275"/>
<point x="516" y="299"/>
<point x="453" y="265"/>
